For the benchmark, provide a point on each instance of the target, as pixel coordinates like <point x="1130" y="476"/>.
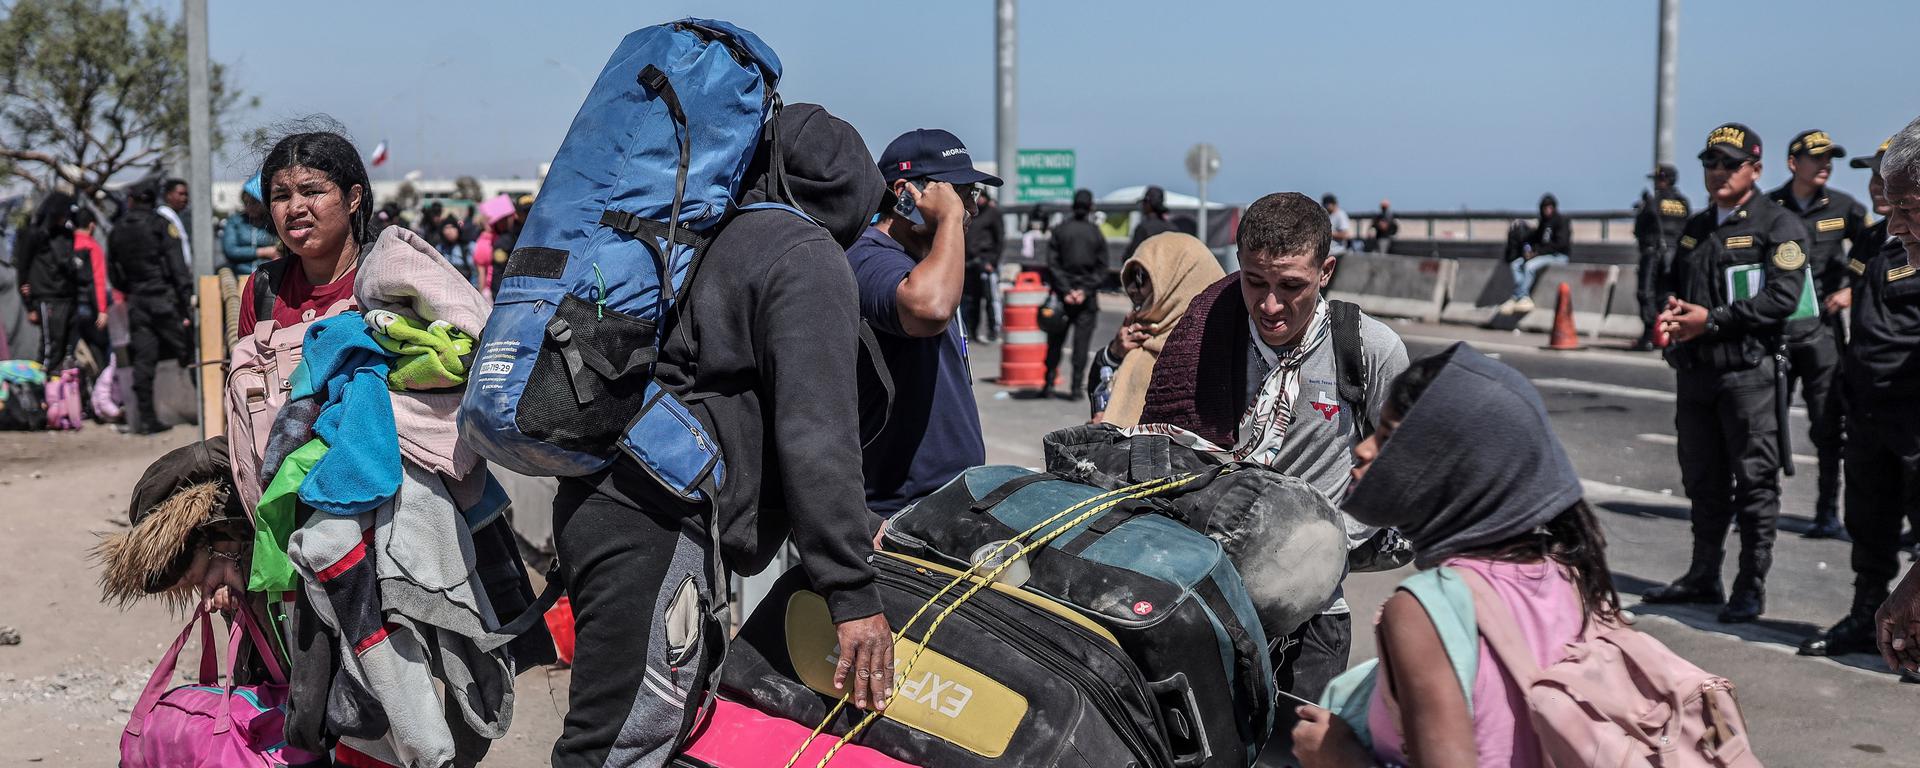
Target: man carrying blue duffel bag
<point x="771" y="327"/>
<point x="668" y="334"/>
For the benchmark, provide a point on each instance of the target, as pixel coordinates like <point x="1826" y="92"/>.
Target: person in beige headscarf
<point x="1165" y="273"/>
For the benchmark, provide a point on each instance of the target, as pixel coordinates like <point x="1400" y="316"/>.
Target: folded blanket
<point x="403" y="274"/>
<point x="426" y="355"/>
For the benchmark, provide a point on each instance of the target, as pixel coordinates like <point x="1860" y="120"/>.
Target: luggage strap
<point x="582" y="356"/>
<point x="1074" y="515"/>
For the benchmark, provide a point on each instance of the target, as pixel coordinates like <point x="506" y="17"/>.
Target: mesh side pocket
<point x="589" y="379"/>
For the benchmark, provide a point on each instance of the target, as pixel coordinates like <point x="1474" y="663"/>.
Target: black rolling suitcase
<point x="1167" y="592"/>
<point x="1008" y="679"/>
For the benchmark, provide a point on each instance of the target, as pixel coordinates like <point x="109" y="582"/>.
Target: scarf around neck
<point x="1263" y="427"/>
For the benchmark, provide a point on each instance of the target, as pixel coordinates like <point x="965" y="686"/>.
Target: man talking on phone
<point x="911" y="270"/>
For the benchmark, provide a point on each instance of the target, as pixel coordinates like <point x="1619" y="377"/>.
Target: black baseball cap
<point x="933" y="154"/>
<point x="1665" y="172"/>
<point x="1871" y="160"/>
<point x="1733" y="140"/>
<point x="1815" y="142"/>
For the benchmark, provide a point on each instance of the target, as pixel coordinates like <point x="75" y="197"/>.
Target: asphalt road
<point x="1614" y="411"/>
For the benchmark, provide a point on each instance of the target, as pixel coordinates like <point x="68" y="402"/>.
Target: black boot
<point x="1749" y="598"/>
<point x="1826" y="509"/>
<point x="150" y="424"/>
<point x="1700" y="585"/>
<point x="1853" y="634"/>
<point x="1748" y="601"/>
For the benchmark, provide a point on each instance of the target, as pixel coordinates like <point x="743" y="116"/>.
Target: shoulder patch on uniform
<point x="1688" y="241"/>
<point x="173" y="231"/>
<point x="1743" y="241"/>
<point x="1901" y="272"/>
<point x="1788" y="257"/>
<point x="1833" y="224"/>
<point x="1857" y="266"/>
<point x="1672" y="207"/>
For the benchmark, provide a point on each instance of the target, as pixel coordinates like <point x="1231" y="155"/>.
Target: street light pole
<point x="1665" y="98"/>
<point x="1006" y="115"/>
<point x="200" y="137"/>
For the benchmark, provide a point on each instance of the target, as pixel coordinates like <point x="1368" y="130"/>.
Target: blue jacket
<point x="241" y="242"/>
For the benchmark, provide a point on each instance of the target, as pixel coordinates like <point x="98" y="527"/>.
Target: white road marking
<point x="1798" y="458"/>
<point x="1597" y="488"/>
<point x="1616" y="390"/>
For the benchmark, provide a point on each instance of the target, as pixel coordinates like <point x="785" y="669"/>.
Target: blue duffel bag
<point x="563" y="381"/>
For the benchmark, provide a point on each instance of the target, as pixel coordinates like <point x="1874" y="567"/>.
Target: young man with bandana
<point x="1253" y="366"/>
<point x="1738" y="281"/>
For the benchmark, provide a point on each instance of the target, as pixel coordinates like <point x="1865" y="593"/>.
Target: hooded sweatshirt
<point x="1474" y="462"/>
<point x="771" y="336"/>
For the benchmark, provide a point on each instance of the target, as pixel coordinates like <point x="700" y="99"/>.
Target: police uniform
<point x="1833" y="219"/>
<point x="1656" y="228"/>
<point x="143" y="263"/>
<point x="1725" y="414"/>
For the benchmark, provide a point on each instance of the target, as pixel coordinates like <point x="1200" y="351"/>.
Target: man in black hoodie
<point x="1550" y="242"/>
<point x="53" y="279"/>
<point x="767" y="347"/>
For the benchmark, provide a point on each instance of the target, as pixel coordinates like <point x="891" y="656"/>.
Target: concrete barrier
<point x="1476" y="290"/>
<point x="1393" y="286"/>
<point x="1592" y="286"/>
<point x="1623" y="310"/>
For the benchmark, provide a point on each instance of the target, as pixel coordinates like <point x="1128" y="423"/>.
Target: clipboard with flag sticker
<point x="1745" y="281"/>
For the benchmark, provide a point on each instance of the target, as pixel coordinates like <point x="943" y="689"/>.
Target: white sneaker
<point x="1523" y="306"/>
<point x="1506" y="307"/>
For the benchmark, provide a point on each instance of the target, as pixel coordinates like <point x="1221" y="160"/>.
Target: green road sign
<point x="1046" y="175"/>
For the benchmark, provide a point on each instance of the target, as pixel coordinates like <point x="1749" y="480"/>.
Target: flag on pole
<point x="379" y="154"/>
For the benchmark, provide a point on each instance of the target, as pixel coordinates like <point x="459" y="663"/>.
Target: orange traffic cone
<point x="1564" y="336"/>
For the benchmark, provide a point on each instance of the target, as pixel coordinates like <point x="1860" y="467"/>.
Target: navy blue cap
<point x="931" y="153"/>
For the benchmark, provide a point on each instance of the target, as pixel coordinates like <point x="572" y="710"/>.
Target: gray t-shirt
<point x="1322" y="434"/>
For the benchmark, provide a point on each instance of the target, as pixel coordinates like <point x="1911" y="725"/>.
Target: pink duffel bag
<point x="211" y="725"/>
<point x="738" y="736"/>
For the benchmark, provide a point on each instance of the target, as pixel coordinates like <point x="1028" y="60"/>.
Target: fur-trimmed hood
<point x="183" y="501"/>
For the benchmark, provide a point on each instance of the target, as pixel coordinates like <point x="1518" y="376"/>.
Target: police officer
<point x="1737" y="275"/>
<point x="1656" y="228"/>
<point x="1881" y="373"/>
<point x="1832" y="218"/>
<point x="143" y="262"/>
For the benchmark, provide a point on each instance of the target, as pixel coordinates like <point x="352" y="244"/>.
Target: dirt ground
<point x="67" y="687"/>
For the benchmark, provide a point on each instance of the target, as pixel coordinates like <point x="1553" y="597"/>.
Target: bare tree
<point x="93" y="88"/>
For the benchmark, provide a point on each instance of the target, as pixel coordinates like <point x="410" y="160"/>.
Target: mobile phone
<point x="904" y="207"/>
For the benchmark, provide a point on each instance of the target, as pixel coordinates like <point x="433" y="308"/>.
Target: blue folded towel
<point x="347" y="371"/>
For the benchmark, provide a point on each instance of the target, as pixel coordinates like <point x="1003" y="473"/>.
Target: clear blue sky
<point x="1476" y="103"/>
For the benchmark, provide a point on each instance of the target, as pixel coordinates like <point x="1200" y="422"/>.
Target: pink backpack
<point x="1618" y="698"/>
<point x="106" y="393"/>
<point x="64" y="410"/>
<point x="259" y="378"/>
<point x="211" y="725"/>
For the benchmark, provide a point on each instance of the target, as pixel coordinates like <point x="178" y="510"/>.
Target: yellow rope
<point x="970" y="572"/>
<point x="1139" y="491"/>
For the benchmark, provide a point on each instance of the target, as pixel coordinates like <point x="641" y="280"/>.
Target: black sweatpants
<point x="1303" y="665"/>
<point x="1883" y="489"/>
<point x="1813" y="364"/>
<point x="626" y="558"/>
<point x="1081" y="321"/>
<point x="155" y="329"/>
<point x="57" y="337"/>
<point x="1730" y="463"/>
